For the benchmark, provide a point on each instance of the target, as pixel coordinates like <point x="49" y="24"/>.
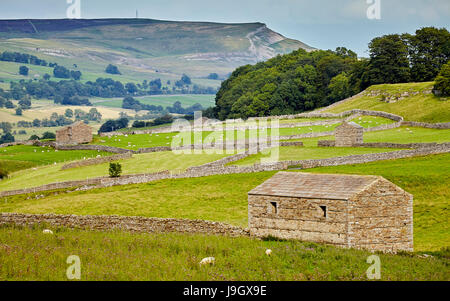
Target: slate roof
<point x="315" y="186"/>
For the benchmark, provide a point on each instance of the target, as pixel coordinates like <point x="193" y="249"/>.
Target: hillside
<point x="413" y="101"/>
<point x="146" y="47"/>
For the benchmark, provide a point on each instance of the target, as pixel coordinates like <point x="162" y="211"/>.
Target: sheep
<point x="268" y="252"/>
<point x="47" y="231"/>
<point x="208" y="260"/>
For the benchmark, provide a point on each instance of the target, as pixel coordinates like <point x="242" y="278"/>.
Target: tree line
<point x="302" y="81"/>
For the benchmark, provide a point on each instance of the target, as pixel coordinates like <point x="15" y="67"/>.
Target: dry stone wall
<point x="96" y="161"/>
<point x="126" y="223"/>
<point x="218" y="169"/>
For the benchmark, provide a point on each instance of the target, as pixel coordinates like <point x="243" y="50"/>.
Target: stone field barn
<point x="344" y="210"/>
<point x="76" y="133"/>
<point x="349" y="134"/>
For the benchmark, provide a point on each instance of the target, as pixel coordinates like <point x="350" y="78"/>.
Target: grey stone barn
<point x="349" y="211"/>
<point x="349" y="134"/>
<point x="77" y="133"/>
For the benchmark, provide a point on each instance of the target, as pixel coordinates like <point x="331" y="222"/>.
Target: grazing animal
<point x="47" y="231"/>
<point x="268" y="252"/>
<point x="208" y="260"/>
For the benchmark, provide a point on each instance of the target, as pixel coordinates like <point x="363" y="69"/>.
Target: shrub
<point x="115" y="170"/>
<point x="23" y="70"/>
<point x="111" y="69"/>
<point x="34" y="137"/>
<point x="48" y="135"/>
<point x="442" y="82"/>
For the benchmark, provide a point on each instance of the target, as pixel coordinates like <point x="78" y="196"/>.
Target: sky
<point x="324" y="24"/>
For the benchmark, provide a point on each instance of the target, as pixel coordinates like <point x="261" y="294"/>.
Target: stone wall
<point x="103" y="148"/>
<point x="96" y="161"/>
<point x="381" y="218"/>
<point x="218" y="169"/>
<point x="445" y="125"/>
<point x="298" y="218"/>
<point x="331" y="143"/>
<point x="126" y="223"/>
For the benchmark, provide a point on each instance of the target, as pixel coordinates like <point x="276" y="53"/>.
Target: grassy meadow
<point x="140" y="163"/>
<point x="19" y="157"/>
<point x="27" y="254"/>
<point x="421" y="107"/>
<point x="224" y="197"/>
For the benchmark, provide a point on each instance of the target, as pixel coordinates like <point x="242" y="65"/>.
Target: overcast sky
<point x="324" y="24"/>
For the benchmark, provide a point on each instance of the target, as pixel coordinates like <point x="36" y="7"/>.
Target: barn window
<point x="274" y="207"/>
<point x="324" y="209"/>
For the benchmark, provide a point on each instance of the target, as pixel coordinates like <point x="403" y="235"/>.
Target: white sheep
<point x="47" y="231"/>
<point x="208" y="260"/>
<point x="268" y="252"/>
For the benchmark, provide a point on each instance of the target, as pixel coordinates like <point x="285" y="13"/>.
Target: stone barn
<point x="350" y="211"/>
<point x="349" y="134"/>
<point x="76" y="133"/>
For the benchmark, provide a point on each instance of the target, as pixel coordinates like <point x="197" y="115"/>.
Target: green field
<point x="27" y="254"/>
<point x="224" y="197"/>
<point x="165" y="139"/>
<point x="421" y="107"/>
<point x="288" y="153"/>
<point x="19" y="157"/>
<point x="138" y="164"/>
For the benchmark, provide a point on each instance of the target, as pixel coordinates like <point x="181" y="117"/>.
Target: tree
<point x="23" y="70"/>
<point x="186" y="79"/>
<point x="6" y="127"/>
<point x="9" y="104"/>
<point x="131" y="88"/>
<point x="429" y="50"/>
<point x="68" y="113"/>
<point x="61" y="72"/>
<point x="339" y="87"/>
<point x="46" y="76"/>
<point x="7" y="138"/>
<point x="19" y="111"/>
<point x="48" y="135"/>
<point x="76" y="75"/>
<point x="115" y="170"/>
<point x="25" y="104"/>
<point x="388" y="60"/>
<point x="213" y="76"/>
<point x="442" y="82"/>
<point x="34" y="137"/>
<point x="111" y="69"/>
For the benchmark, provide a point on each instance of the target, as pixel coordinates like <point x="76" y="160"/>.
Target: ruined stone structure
<point x="349" y="134"/>
<point x="344" y="210"/>
<point x="76" y="133"/>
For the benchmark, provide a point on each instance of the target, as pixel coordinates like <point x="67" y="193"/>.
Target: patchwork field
<point x="125" y="256"/>
<point x="224" y="198"/>
<point x="141" y="163"/>
<point x="161" y="100"/>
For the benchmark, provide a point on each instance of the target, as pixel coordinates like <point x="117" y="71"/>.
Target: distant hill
<point x="145" y="45"/>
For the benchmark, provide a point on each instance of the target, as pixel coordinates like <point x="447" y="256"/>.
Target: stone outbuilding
<point x="349" y="211"/>
<point x="77" y="133"/>
<point x="349" y="134"/>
